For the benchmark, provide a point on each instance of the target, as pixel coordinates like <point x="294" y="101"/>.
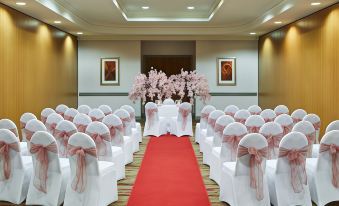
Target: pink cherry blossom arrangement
<point x="158" y="85"/>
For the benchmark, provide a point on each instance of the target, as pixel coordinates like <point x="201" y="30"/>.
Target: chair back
<point x="241" y="116"/>
<point x="152" y="116"/>
<point x="169" y="101"/>
<point x="52" y="121"/>
<point x="131" y="112"/>
<point x="70" y="114"/>
<point x="10" y="125"/>
<point x="116" y="128"/>
<point x="281" y="109"/>
<point x="23" y="121"/>
<point x="205" y="112"/>
<point x="81" y="121"/>
<point x="268" y="115"/>
<point x="219" y="127"/>
<point x="308" y="130"/>
<point x="212" y="118"/>
<point x="96" y="115"/>
<point x="84" y="109"/>
<point x="32" y="127"/>
<point x="253" y="123"/>
<point x="254" y="110"/>
<point x="231" y="110"/>
<point x="332" y="126"/>
<point x="63" y="131"/>
<point x="315" y="120"/>
<point x="106" y="109"/>
<point x="298" y="115"/>
<point x="126" y="121"/>
<point x="273" y="133"/>
<point x="61" y="109"/>
<point x="185" y="115"/>
<point x="45" y="113"/>
<point x="286" y="122"/>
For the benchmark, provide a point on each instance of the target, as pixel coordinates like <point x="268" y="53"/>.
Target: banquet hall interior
<point x="174" y="103"/>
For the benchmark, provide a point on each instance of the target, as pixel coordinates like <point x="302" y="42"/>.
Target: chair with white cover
<point x="45" y="113"/>
<point x="152" y="120"/>
<point x="61" y="109"/>
<point x="332" y="126"/>
<point x="135" y="125"/>
<point x="118" y="139"/>
<point x="273" y="133"/>
<point x="281" y="109"/>
<point x="70" y="113"/>
<point x="287" y="177"/>
<point x="81" y="121"/>
<point x="268" y="115"/>
<point x="322" y="172"/>
<point x="127" y="127"/>
<point x="254" y="110"/>
<point x="244" y="182"/>
<point x="308" y="130"/>
<point x="96" y="115"/>
<point x="63" y="131"/>
<point x="106" y="109"/>
<point x="100" y="133"/>
<point x="315" y="120"/>
<point x="202" y="125"/>
<point x="92" y="182"/>
<point x="286" y="122"/>
<point x="298" y="115"/>
<point x="52" y="121"/>
<point x="14" y="179"/>
<point x="84" y="109"/>
<point x="242" y="115"/>
<point x="231" y="110"/>
<point x="212" y="119"/>
<point x="254" y="123"/>
<point x="169" y="101"/>
<point x="10" y="125"/>
<point x="50" y="174"/>
<point x="184" y="120"/>
<point x="31" y="128"/>
<point x="23" y="121"/>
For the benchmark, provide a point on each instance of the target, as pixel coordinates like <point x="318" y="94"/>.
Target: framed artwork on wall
<point x="110" y="71"/>
<point x="226" y="71"/>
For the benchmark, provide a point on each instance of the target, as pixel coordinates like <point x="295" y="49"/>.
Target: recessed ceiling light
<point x="145" y="7"/>
<point x="80" y="33"/>
<point x="315" y="3"/>
<point x="190" y="7"/>
<point x="57" y="22"/>
<point x="277" y="22"/>
<point x="20" y="3"/>
<point x="253" y="33"/>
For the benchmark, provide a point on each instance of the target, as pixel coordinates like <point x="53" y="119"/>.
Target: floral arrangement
<point x="158" y="85"/>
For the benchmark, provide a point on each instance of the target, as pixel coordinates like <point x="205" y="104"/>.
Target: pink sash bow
<point x="268" y="119"/>
<point x="296" y="120"/>
<point x="6" y="158"/>
<point x="287" y="129"/>
<point x="114" y="129"/>
<point x="99" y="142"/>
<point x="94" y="119"/>
<point x="230" y="114"/>
<point x="253" y="129"/>
<point x="273" y="142"/>
<point x="81" y="127"/>
<point x="41" y="168"/>
<point x="317" y="125"/>
<point x="184" y="114"/>
<point x="296" y="159"/>
<point x="63" y="137"/>
<point x="79" y="181"/>
<point x="125" y="121"/>
<point x="29" y="134"/>
<point x="310" y="138"/>
<point x="255" y="113"/>
<point x="256" y="170"/>
<point x="333" y="151"/>
<point x="219" y="129"/>
<point x="69" y="118"/>
<point x="233" y="141"/>
<point x="211" y="122"/>
<point x="43" y="119"/>
<point x="150" y="116"/>
<point x="51" y="127"/>
<point x="61" y="113"/>
<point x="240" y="120"/>
<point x="22" y="125"/>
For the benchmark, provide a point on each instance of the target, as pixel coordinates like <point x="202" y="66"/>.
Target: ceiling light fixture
<point x="278" y="22"/>
<point x="80" y="33"/>
<point x="145" y="7"/>
<point x="315" y="3"/>
<point x="57" y="22"/>
<point x="253" y="33"/>
<point x="20" y="3"/>
<point x="190" y="7"/>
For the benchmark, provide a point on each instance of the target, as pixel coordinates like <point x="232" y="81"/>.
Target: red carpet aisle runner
<point x="169" y="175"/>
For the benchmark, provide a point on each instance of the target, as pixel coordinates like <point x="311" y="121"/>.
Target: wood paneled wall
<point x="299" y="65"/>
<point x="38" y="65"/>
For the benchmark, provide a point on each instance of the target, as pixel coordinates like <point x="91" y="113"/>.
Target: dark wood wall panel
<point x="299" y="65"/>
<point x="38" y="65"/>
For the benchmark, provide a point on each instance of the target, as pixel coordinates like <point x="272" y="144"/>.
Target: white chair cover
<point x="135" y="125"/>
<point x="115" y="126"/>
<point x="244" y="182"/>
<point x="169" y="101"/>
<point x="84" y="109"/>
<point x="32" y="127"/>
<point x="50" y="174"/>
<point x="52" y="121"/>
<point x="298" y="115"/>
<point x="254" y="110"/>
<point x="100" y="133"/>
<point x="323" y="173"/>
<point x="332" y="126"/>
<point x="212" y="118"/>
<point x="70" y="113"/>
<point x="286" y="176"/>
<point x="81" y="121"/>
<point x="45" y="113"/>
<point x="231" y="110"/>
<point x="253" y="123"/>
<point x="63" y="131"/>
<point x="202" y="125"/>
<point x="315" y="120"/>
<point x="61" y="109"/>
<point x="23" y="121"/>
<point x="241" y="116"/>
<point x="273" y="133"/>
<point x="13" y="185"/>
<point x="96" y="115"/>
<point x="286" y="122"/>
<point x="268" y="115"/>
<point x="308" y="130"/>
<point x="281" y="109"/>
<point x="106" y="109"/>
<point x="184" y="120"/>
<point x="97" y="183"/>
<point x="10" y="125"/>
<point x="152" y="120"/>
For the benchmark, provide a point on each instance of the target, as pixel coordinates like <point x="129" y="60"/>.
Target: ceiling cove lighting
<point x="145" y="7"/>
<point x="57" y="22"/>
<point x="253" y="33"/>
<point x="190" y="7"/>
<point x="315" y="3"/>
<point x="278" y="22"/>
<point x="20" y="3"/>
<point x="80" y="33"/>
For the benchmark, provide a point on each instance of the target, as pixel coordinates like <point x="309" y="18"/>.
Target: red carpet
<point x="169" y="175"/>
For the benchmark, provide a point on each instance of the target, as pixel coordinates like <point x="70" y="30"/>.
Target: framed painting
<point x="226" y="71"/>
<point x="110" y="71"/>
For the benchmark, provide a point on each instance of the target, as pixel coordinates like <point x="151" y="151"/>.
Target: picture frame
<point x="110" y="71"/>
<point x="226" y="71"/>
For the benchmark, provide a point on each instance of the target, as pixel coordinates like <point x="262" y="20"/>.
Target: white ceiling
<point x="168" y="19"/>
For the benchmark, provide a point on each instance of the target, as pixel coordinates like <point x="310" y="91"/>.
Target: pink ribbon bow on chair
<point x="333" y="151"/>
<point x="99" y="142"/>
<point x="296" y="159"/>
<point x="218" y="128"/>
<point x="51" y="127"/>
<point x="268" y="119"/>
<point x="43" y="119"/>
<point x="94" y="119"/>
<point x="230" y="114"/>
<point x="29" y="134"/>
<point x="317" y="125"/>
<point x="79" y="181"/>
<point x="150" y="116"/>
<point x="69" y="118"/>
<point x="114" y="129"/>
<point x="61" y="113"/>
<point x="255" y="113"/>
<point x="22" y="125"/>
<point x="273" y="142"/>
<point x="253" y="129"/>
<point x="41" y="168"/>
<point x="211" y="122"/>
<point x="184" y="114"/>
<point x="233" y="141"/>
<point x="287" y="129"/>
<point x="6" y="158"/>
<point x="240" y="120"/>
<point x="256" y="170"/>
<point x="296" y="120"/>
<point x="125" y="121"/>
<point x="63" y="137"/>
<point x="204" y="116"/>
<point x="310" y="138"/>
